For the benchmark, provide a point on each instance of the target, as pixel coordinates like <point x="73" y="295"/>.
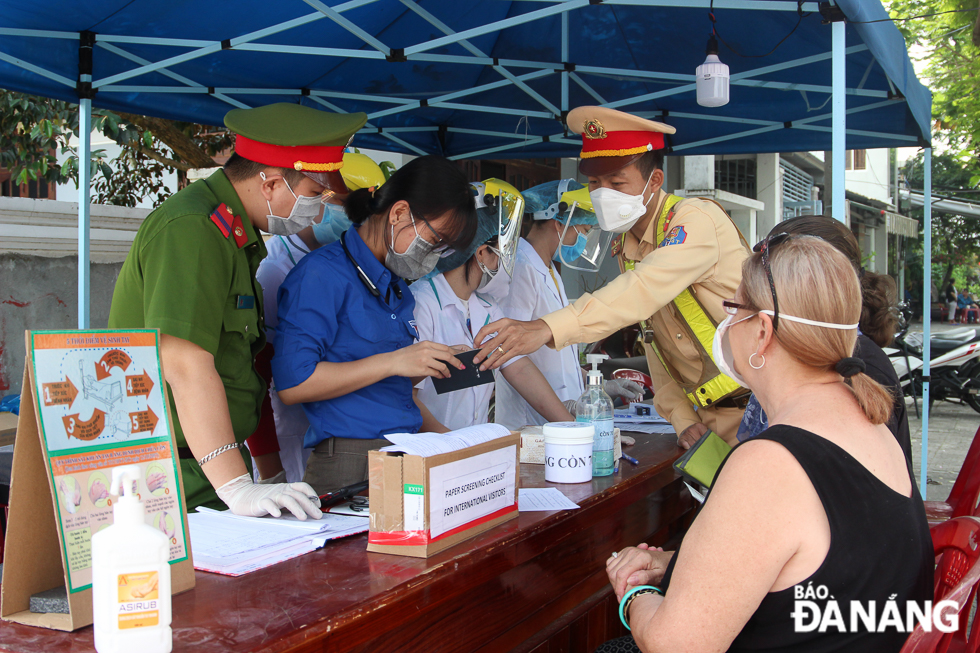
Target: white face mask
<point x="305" y="211"/>
<point x="616" y="211"/>
<point x="721" y="350"/>
<point x="495" y="283"/>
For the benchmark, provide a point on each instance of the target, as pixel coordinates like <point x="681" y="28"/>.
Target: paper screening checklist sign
<point x="468" y="489"/>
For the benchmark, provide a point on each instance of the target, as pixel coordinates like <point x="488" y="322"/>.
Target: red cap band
<point x="309" y="158"/>
<point x="621" y="143"/>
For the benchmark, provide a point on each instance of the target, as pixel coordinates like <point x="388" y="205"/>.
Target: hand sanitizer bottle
<point x="596" y="407"/>
<point x="130" y="576"/>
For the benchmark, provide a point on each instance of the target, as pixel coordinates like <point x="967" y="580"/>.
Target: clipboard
<point x="461" y="379"/>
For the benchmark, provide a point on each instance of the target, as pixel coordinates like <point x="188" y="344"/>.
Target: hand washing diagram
<point x="100" y="398"/>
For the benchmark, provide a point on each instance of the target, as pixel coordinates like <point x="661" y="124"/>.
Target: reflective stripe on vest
<point x="699" y="325"/>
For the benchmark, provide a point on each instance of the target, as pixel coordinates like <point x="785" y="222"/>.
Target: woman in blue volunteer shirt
<point x="344" y="345"/>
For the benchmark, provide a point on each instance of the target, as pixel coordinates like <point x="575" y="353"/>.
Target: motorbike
<point x="954" y="369"/>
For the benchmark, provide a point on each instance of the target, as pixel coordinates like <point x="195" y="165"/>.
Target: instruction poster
<point x="101" y="405"/>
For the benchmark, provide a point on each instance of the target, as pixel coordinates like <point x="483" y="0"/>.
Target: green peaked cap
<point x="295" y="125"/>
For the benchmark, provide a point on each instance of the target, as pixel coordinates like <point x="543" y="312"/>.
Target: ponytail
<point x="875" y="400"/>
<point x="360" y="205"/>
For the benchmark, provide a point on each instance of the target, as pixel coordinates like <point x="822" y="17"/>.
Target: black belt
<point x="733" y="402"/>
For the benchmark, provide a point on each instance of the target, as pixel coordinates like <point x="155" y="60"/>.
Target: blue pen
<point x="630" y="459"/>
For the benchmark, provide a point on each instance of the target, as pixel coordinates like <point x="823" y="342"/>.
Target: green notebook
<point x="701" y="462"/>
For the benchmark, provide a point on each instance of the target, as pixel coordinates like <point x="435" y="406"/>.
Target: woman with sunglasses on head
<point x="876" y="328"/>
<point x="344" y="344"/>
<point x="453" y="305"/>
<point x="805" y="510"/>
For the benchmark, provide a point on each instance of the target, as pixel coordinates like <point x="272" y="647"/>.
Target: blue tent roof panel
<point x="501" y="92"/>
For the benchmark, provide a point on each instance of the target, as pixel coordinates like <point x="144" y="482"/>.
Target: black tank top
<point x="879" y="546"/>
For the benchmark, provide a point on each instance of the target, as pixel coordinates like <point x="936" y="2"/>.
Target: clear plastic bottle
<point x="596" y="407"/>
<point x="130" y="577"/>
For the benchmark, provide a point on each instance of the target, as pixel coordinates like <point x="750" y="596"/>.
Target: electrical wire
<point x="895" y="20"/>
<point x="715" y="33"/>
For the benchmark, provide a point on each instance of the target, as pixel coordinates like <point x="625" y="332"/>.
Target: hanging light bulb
<point x="712" y="78"/>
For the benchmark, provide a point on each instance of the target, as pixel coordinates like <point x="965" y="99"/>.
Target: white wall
<point x="378" y="156"/>
<point x="872" y="182"/>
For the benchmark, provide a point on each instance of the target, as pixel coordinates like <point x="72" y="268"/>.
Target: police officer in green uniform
<point x="191" y="274"/>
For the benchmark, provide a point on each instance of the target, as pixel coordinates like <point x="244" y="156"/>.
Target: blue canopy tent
<point x="494" y="77"/>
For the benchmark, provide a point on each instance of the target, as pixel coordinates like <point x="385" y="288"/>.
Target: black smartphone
<point x="466" y="378"/>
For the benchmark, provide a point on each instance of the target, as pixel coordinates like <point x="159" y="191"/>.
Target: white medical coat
<point x="533" y="294"/>
<point x="441" y="317"/>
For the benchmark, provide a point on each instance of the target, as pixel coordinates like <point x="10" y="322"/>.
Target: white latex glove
<point x="570" y="405"/>
<point x="251" y="500"/>
<point x="627" y="390"/>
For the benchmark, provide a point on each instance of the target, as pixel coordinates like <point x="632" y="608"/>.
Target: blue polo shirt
<point x="327" y="314"/>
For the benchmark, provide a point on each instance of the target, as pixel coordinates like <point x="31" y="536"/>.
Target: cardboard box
<point x="420" y="506"/>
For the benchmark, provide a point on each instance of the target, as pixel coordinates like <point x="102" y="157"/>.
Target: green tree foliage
<point x="34" y="130"/>
<point x="955" y="238"/>
<point x="944" y="43"/>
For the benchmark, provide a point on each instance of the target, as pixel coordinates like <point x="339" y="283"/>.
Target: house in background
<point x="761" y="190"/>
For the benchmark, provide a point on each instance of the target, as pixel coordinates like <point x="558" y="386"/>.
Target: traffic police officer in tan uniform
<point x="680" y="259"/>
<point x="191" y="274"/>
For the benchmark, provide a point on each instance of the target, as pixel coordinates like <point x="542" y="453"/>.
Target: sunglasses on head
<point x="765" y="246"/>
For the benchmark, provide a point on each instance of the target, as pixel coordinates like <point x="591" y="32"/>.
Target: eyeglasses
<point x="768" y="243"/>
<point x="733" y="307"/>
<point x="440" y="244"/>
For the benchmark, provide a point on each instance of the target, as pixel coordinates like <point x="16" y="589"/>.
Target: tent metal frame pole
<point x="472" y="49"/>
<point x="496" y="26"/>
<point x="564" y="57"/>
<point x="390" y="137"/>
<point x="333" y="15"/>
<point x="37" y="70"/>
<point x="116" y="50"/>
<point x="774" y="126"/>
<point x="84" y="199"/>
<point x="838" y="120"/>
<point x="926" y="318"/>
<point x="757" y="5"/>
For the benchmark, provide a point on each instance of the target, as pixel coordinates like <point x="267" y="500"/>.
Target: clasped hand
<point x="639" y="565"/>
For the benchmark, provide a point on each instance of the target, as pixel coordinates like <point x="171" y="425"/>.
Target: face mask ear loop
<point x="645" y="204"/>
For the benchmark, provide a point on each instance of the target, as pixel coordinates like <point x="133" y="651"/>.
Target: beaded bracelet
<point x="624" y="605"/>
<point x="217" y="452"/>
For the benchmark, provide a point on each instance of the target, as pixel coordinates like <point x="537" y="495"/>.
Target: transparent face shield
<point x="596" y="243"/>
<point x="510" y="212"/>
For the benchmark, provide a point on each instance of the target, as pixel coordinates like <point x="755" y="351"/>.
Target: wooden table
<point x="536" y="583"/>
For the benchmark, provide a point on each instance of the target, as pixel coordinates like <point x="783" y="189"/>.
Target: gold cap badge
<point x="594" y="129"/>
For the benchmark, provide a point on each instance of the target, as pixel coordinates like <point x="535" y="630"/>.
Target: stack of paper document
<point x="224" y="543"/>
<point x="652" y="423"/>
<point x="432" y="444"/>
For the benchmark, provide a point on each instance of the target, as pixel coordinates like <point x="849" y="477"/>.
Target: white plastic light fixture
<point x="712" y="78"/>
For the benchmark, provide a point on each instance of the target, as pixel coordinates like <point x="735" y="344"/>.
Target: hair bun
<point x="848" y="367"/>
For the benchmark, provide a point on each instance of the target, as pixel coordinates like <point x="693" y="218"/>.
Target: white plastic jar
<point x="568" y="452"/>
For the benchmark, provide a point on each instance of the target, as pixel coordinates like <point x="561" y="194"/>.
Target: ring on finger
<point x="615" y="554"/>
<point x="501" y="350"/>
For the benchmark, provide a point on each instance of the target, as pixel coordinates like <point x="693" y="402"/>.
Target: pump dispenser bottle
<point x="596" y="407"/>
<point x="130" y="576"/>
